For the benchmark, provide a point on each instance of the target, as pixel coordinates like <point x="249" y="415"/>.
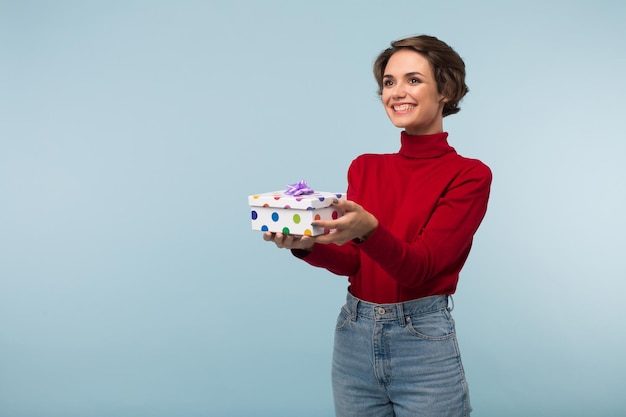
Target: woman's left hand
<point x="356" y="222"/>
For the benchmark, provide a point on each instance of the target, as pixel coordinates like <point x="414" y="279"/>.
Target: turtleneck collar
<point x="424" y="146"/>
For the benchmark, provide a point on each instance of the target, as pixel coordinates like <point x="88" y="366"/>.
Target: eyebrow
<point x="408" y="74"/>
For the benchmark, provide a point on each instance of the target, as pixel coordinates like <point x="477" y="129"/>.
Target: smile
<point x="403" y="107"/>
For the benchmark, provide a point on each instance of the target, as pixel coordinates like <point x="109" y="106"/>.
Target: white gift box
<point x="277" y="211"/>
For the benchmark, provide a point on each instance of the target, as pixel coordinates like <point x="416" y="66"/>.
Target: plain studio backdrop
<point x="132" y="132"/>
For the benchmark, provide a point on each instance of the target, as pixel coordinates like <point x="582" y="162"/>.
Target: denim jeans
<point x="398" y="360"/>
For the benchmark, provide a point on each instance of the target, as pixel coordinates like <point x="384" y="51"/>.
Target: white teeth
<point x="403" y="107"/>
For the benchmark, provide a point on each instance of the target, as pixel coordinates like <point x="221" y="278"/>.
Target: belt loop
<point x="354" y="308"/>
<point x="451" y="303"/>
<point x="401" y="314"/>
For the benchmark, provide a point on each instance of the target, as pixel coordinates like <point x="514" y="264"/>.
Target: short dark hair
<point x="448" y="67"/>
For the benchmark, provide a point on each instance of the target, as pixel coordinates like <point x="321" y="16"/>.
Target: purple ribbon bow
<point x="299" y="189"/>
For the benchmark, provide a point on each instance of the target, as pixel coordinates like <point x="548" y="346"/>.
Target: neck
<point x="429" y="130"/>
<point x="424" y="146"/>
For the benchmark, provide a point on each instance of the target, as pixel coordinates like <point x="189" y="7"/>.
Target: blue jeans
<point x="398" y="360"/>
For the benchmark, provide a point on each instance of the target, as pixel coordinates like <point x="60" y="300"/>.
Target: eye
<point x="414" y="81"/>
<point x="387" y="83"/>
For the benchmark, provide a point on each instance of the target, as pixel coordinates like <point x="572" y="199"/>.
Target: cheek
<point x="385" y="96"/>
<point x="384" y="99"/>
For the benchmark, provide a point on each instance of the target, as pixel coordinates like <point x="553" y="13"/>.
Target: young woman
<point x="408" y="224"/>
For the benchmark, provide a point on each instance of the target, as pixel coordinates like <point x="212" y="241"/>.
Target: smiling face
<point x="410" y="94"/>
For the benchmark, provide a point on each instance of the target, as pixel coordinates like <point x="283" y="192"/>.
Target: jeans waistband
<point x="395" y="311"/>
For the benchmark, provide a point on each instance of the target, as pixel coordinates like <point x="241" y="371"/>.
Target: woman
<point x="408" y="224"/>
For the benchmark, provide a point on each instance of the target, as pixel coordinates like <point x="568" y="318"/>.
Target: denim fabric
<point x="398" y="360"/>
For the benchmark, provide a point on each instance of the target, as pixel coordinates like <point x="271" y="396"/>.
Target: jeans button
<point x="381" y="310"/>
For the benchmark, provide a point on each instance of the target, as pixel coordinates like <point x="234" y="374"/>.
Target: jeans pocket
<point x="432" y="326"/>
<point x="343" y="319"/>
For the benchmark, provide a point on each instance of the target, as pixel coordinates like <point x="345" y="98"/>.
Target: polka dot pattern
<point x="277" y="212"/>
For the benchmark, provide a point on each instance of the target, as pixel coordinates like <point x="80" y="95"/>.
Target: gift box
<point x="278" y="211"/>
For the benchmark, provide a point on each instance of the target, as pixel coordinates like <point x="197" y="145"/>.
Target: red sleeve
<point x="340" y="260"/>
<point x="444" y="243"/>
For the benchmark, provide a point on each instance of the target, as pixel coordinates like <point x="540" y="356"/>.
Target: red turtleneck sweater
<point x="429" y="202"/>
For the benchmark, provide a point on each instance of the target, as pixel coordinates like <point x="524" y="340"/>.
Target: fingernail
<point x="335" y="201"/>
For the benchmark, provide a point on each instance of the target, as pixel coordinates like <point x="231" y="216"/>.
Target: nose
<point x="399" y="90"/>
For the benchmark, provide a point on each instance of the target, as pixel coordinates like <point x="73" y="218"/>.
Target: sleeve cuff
<point x="360" y="241"/>
<point x="300" y="253"/>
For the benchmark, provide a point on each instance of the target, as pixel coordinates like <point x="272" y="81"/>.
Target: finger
<point x="279" y="238"/>
<point x="268" y="236"/>
<point x="326" y="224"/>
<point x="297" y="241"/>
<point x="304" y="242"/>
<point x="336" y="237"/>
<point x="345" y="205"/>
<point x="288" y="241"/>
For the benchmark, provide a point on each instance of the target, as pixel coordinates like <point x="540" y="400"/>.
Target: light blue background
<point x="132" y="132"/>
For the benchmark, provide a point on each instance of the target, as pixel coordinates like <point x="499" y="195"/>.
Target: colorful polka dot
<point x="293" y="214"/>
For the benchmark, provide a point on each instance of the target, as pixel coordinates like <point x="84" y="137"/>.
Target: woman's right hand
<point x="284" y="241"/>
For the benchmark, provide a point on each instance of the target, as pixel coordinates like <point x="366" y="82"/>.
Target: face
<point x="410" y="94"/>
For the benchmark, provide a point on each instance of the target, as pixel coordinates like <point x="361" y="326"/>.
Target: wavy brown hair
<point x="448" y="67"/>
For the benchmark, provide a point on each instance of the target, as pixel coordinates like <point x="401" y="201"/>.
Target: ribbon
<point x="299" y="188"/>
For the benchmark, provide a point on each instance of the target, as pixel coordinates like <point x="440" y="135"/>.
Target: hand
<point x="285" y="241"/>
<point x="356" y="222"/>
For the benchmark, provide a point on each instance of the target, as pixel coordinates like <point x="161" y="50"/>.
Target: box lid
<point x="305" y="202"/>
